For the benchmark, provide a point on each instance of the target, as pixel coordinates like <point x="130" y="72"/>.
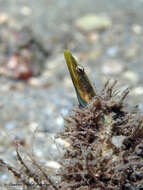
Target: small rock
<point x="132" y="52"/>
<point x="62" y="142"/>
<point x="137" y="29"/>
<point x="140" y="106"/>
<point x="53" y="164"/>
<point x="92" y="55"/>
<point x="39" y="82"/>
<point x="64" y="112"/>
<point x="10" y="125"/>
<point x="17" y="67"/>
<point x="112" y="67"/>
<point x="35" y="82"/>
<point x="3" y="18"/>
<point x="33" y="126"/>
<point x="4" y="176"/>
<point x="117" y="140"/>
<point x="132" y="76"/>
<point x="39" y="153"/>
<point x="26" y="10"/>
<point x="83" y="56"/>
<point x="137" y="91"/>
<point x="60" y="121"/>
<point x="92" y="37"/>
<point x="93" y="22"/>
<point x="112" y="51"/>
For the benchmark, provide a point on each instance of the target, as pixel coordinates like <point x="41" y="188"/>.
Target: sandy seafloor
<point x="32" y="111"/>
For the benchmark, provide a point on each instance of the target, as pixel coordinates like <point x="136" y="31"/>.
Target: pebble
<point x="117" y="140"/>
<point x="26" y="10"/>
<point x="132" y="76"/>
<point x="93" y="37"/>
<point x="112" y="67"/>
<point x="112" y="51"/>
<point x="4" y="176"/>
<point x="140" y="106"/>
<point x="34" y="81"/>
<point x="40" y="82"/>
<point x="132" y="52"/>
<point x="93" y="22"/>
<point x="33" y="126"/>
<point x="17" y="67"/>
<point x="62" y="142"/>
<point x="10" y="125"/>
<point x="53" y="164"/>
<point x="137" y="91"/>
<point x="3" y="18"/>
<point x="38" y="152"/>
<point x="64" y="112"/>
<point x="92" y="55"/>
<point x="60" y="121"/>
<point x="137" y="29"/>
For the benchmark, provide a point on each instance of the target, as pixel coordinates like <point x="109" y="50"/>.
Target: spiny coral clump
<point x="106" y="146"/>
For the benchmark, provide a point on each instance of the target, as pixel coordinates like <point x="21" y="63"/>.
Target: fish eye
<point x="79" y="69"/>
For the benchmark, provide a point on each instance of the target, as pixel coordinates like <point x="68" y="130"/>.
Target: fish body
<point x="83" y="87"/>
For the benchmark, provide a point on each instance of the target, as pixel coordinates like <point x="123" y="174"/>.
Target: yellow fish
<point x="83" y="87"/>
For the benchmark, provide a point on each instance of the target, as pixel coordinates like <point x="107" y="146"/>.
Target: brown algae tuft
<point x="106" y="145"/>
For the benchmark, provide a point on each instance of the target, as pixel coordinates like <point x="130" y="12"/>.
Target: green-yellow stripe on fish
<point x="83" y="87"/>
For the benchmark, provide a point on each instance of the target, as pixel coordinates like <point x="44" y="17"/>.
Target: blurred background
<point x="36" y="91"/>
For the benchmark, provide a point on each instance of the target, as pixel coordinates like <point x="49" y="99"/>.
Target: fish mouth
<point x="83" y="87"/>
